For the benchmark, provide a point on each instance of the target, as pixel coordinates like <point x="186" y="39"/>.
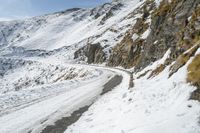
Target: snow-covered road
<point x="37" y="116"/>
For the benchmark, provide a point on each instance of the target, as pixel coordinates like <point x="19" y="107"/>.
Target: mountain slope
<point x="156" y="41"/>
<point x="67" y="28"/>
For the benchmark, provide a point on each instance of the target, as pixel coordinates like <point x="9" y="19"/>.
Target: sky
<point x="16" y="9"/>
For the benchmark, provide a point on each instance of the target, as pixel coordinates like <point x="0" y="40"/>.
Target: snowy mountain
<point x="128" y="66"/>
<point x="68" y="28"/>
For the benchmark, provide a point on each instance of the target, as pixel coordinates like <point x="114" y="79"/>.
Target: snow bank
<point x="153" y="106"/>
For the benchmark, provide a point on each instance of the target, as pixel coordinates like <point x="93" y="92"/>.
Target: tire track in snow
<point x="61" y="125"/>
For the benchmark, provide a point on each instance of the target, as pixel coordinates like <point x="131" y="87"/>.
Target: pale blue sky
<point x="14" y="9"/>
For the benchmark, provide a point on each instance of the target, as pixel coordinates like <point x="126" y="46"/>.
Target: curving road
<point x="55" y="114"/>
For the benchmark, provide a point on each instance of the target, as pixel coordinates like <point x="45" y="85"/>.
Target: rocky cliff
<point x="173" y="25"/>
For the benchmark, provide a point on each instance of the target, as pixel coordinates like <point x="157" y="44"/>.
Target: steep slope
<point x="168" y="25"/>
<point x="104" y="24"/>
<point x="122" y="33"/>
<point x="156" y="105"/>
<point x="156" y="41"/>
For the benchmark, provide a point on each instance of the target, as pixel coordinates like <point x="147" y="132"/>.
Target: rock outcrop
<point x="92" y="53"/>
<point x="172" y="25"/>
<point x="171" y="28"/>
<point x="194" y="76"/>
<point x="127" y="53"/>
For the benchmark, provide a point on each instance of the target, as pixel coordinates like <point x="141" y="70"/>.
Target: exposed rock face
<point x="174" y="25"/>
<point x="106" y="9"/>
<point x="92" y="53"/>
<point x="183" y="59"/>
<point x="170" y="28"/>
<point x="194" y="76"/>
<point x="128" y="52"/>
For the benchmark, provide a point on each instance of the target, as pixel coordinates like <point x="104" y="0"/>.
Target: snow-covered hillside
<point x="156" y="105"/>
<point x="51" y="79"/>
<point x="69" y="27"/>
<point x="33" y="81"/>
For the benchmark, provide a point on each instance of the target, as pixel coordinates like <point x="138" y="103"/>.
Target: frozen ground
<point x="40" y="82"/>
<point x="33" y="81"/>
<point x="156" y="105"/>
<point x="25" y="109"/>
